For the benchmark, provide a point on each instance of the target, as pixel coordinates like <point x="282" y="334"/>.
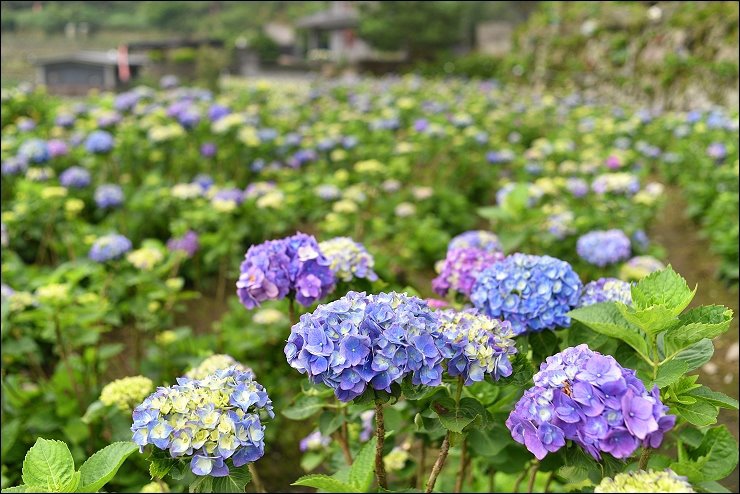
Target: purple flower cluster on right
<point x="588" y="398"/>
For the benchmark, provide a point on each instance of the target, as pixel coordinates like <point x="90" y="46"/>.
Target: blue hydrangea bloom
<point x="362" y="340"/>
<point x="273" y="269"/>
<point x="606" y="290"/>
<point x="109" y="247"/>
<point x="604" y="247"/>
<point x="531" y="292"/>
<point x="75" y="177"/>
<point x="15" y="165"/>
<point x="99" y="142"/>
<point x="212" y="421"/>
<point x="35" y="151"/>
<point x="479" y="239"/>
<point x="476" y="345"/>
<point x="108" y="196"/>
<point x="588" y="398"/>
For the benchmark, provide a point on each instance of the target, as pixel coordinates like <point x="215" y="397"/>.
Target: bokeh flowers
<point x="606" y="290"/>
<point x="461" y="268"/>
<point x="348" y="259"/>
<point x="604" y="247"/>
<point x="109" y="247"/>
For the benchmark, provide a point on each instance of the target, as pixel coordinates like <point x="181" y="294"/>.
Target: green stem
<point x="533" y="476"/>
<point x="461" y="470"/>
<point x="644" y="457"/>
<point x="491" y="480"/>
<point x="380" y="432"/>
<point x="458" y="392"/>
<point x="258" y="487"/>
<point x="519" y="479"/>
<point x="550" y="478"/>
<point x="437" y="468"/>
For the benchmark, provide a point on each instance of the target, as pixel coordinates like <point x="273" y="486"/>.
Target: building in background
<point x="78" y="73"/>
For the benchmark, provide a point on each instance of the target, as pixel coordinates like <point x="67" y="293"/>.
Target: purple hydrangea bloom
<point x="292" y="265"/>
<point x="75" y="177"/>
<point x="480" y="239"/>
<point x="217" y="112"/>
<point x="15" y="165"/>
<point x="362" y="340"/>
<point x="108" y="196"/>
<point x="126" y="101"/>
<point x="34" y="151"/>
<point x="717" y="151"/>
<point x="461" y="268"/>
<point x="208" y="150"/>
<point x="204" y="181"/>
<point x="109" y="247"/>
<point x="367" y="425"/>
<point x="588" y="398"/>
<point x="577" y="186"/>
<point x="64" y="120"/>
<point x="57" y="147"/>
<point x="532" y="292"/>
<point x="188" y="243"/>
<point x="499" y="157"/>
<point x="604" y="247"/>
<point x="212" y="421"/>
<point x="476" y="345"/>
<point x="314" y="441"/>
<point x="99" y="142"/>
<point x="640" y="239"/>
<point x="606" y="290"/>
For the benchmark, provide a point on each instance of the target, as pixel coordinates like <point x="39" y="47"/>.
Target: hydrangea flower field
<point x="381" y="285"/>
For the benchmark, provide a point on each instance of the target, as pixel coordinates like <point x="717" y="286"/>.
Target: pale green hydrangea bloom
<point x="126" y="393"/>
<point x="214" y="363"/>
<point x="645" y="481"/>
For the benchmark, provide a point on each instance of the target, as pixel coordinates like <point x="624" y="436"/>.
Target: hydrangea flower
<point x="145" y="258"/>
<point x="588" y="398"/>
<point x="476" y="345"/>
<point x="188" y="243"/>
<point x="606" y="290"/>
<point x="479" y="239"/>
<point x="109" y="247"/>
<point x="34" y="150"/>
<point x="645" y="481"/>
<point x="99" y="142"/>
<point x="532" y="292"/>
<point x="314" y="442"/>
<point x="212" y="421"/>
<point x="461" y="267"/>
<point x="216" y="362"/>
<point x="208" y="150"/>
<point x="14" y="165"/>
<point x="125" y="393"/>
<point x="57" y="147"/>
<point x="396" y="459"/>
<point x="108" y="196"/>
<point x="75" y="177"/>
<point x="348" y="259"/>
<point x="4" y="238"/>
<point x="276" y="268"/>
<point x="639" y="266"/>
<point x="603" y="247"/>
<point x="156" y="486"/>
<point x="362" y="340"/>
<point x="617" y="183"/>
<point x="367" y="417"/>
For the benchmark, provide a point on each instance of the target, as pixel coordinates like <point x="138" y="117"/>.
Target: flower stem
<point x="256" y="478"/>
<point x="67" y="364"/>
<point x="380" y="432"/>
<point x="491" y="479"/>
<point x="550" y="478"/>
<point x="532" y="476"/>
<point x="463" y="463"/>
<point x="443" y="450"/>
<point x="343" y="436"/>
<point x="422" y="463"/>
<point x="644" y="457"/>
<point x="519" y="479"/>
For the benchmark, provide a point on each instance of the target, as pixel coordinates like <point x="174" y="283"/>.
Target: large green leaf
<point x="701" y="322"/>
<point x="697" y="354"/>
<point x="235" y="481"/>
<point x="606" y="319"/>
<point x="361" y="473"/>
<point x="19" y="488"/>
<point x="325" y="483"/>
<point x="304" y="407"/>
<point x="103" y="465"/>
<point x="665" y="288"/>
<point x="714" y="459"/>
<point x="700" y="413"/>
<point x="487" y="443"/>
<point x="454" y="418"/>
<point x="48" y="466"/>
<point x="670" y="372"/>
<point x="9" y="434"/>
<point x="652" y="320"/>
<point x="714" y="397"/>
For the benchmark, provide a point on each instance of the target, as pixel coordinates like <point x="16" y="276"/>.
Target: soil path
<point x="690" y="256"/>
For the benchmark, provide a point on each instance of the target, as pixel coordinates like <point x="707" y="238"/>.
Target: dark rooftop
<point x="175" y="43"/>
<point x="93" y="57"/>
<point x="330" y="19"/>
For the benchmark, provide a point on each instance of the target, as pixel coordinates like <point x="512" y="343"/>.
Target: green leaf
<point x="711" y="486"/>
<point x="714" y="459"/>
<point x="311" y="460"/>
<point x="666" y="288"/>
<point x="361" y="473"/>
<point x="235" y="481"/>
<point x="487" y="443"/>
<point x="202" y="484"/>
<point x="412" y="392"/>
<point x="103" y="465"/>
<point x="453" y="418"/>
<point x="707" y="321"/>
<point x="330" y="422"/>
<point x="325" y="483"/>
<point x="700" y="413"/>
<point x="606" y="319"/>
<point x="670" y="372"/>
<point x="9" y="435"/>
<point x="697" y="354"/>
<point x="715" y="398"/>
<point x="73" y="484"/>
<point x="304" y="407"/>
<point x="48" y="465"/>
<point x="159" y="467"/>
<point x="652" y="320"/>
<point x="94" y="412"/>
<point x="19" y="488"/>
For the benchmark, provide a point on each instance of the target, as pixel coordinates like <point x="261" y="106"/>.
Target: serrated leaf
<point x="235" y="481"/>
<point x="454" y="418"/>
<point x="714" y="459"/>
<point x="18" y="488"/>
<point x="715" y="398"/>
<point x="103" y="465"/>
<point x="670" y="372"/>
<point x="606" y="319"/>
<point x="304" y="407"/>
<point x="202" y="484"/>
<point x="73" y="484"/>
<point x="325" y="483"/>
<point x="48" y="465"/>
<point x="665" y="288"/>
<point x="652" y="320"/>
<point x="707" y="321"/>
<point x="700" y="413"/>
<point x="159" y="467"/>
<point x="361" y="473"/>
<point x="697" y="354"/>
